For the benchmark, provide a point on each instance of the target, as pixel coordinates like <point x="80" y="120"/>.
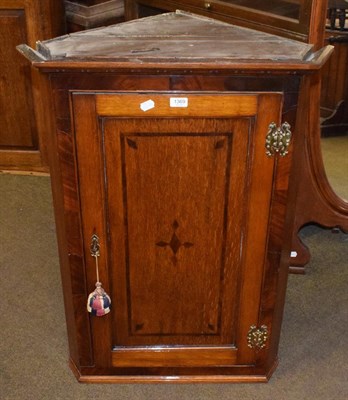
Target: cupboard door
<point x="178" y="189"/>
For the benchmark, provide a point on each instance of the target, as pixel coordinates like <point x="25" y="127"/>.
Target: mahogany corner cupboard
<point x="171" y="145"/>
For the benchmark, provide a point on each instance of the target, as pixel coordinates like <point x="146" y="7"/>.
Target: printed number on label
<point x="179" y="102"/>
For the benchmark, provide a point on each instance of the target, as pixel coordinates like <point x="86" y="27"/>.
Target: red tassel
<point x="99" y="302"/>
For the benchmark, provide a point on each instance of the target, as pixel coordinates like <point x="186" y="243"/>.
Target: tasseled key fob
<point x="99" y="301"/>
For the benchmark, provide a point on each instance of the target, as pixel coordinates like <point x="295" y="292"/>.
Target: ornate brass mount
<point x="278" y="139"/>
<point x="257" y="337"/>
<point x="95" y="246"/>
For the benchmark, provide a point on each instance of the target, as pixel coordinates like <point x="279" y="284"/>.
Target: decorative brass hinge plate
<point x="278" y="139"/>
<point x="257" y="337"/>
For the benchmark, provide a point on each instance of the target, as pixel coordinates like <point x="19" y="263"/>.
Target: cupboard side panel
<point x="68" y="225"/>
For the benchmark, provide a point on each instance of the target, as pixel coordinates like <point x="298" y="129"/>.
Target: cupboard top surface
<point x="175" y="38"/>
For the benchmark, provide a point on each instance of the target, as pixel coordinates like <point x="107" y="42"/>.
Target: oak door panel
<point x="175" y="199"/>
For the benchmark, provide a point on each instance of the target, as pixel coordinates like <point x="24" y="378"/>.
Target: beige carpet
<point x="33" y="345"/>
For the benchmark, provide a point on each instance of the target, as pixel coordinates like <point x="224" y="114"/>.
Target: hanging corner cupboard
<point x="171" y="152"/>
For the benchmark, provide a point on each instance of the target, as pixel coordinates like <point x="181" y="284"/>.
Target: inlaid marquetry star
<point x="174" y="243"/>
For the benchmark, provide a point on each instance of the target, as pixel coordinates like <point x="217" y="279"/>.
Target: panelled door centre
<point x="181" y="189"/>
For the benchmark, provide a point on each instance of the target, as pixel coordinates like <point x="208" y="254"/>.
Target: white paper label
<point x="147" y="105"/>
<point x="179" y="102"/>
<point x="293" y="254"/>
